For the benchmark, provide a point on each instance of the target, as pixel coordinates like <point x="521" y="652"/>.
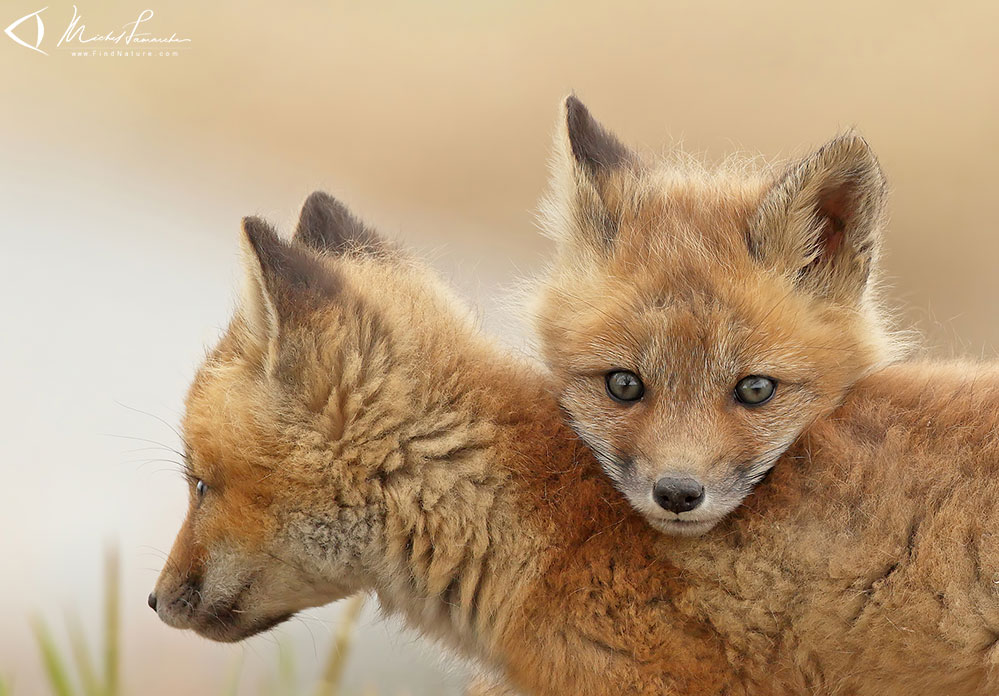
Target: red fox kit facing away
<point x="353" y="431"/>
<point x="696" y="322"/>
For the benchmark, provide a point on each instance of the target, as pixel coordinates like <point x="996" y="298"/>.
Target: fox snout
<point x="222" y="611"/>
<point x="180" y="604"/>
<point x="207" y="596"/>
<point x="678" y="494"/>
<point x="682" y="494"/>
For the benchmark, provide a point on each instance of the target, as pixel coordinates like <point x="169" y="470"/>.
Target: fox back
<point x="696" y="321"/>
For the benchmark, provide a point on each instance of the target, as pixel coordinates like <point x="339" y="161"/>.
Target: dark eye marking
<point x="624" y="386"/>
<point x="755" y="390"/>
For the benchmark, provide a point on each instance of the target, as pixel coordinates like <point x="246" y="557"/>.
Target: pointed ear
<point x="326" y="226"/>
<point x="591" y="167"/>
<point x="284" y="283"/>
<point x="595" y="150"/>
<point x="821" y="223"/>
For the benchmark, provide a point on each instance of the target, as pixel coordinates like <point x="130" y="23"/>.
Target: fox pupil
<point x="755" y="390"/>
<point x="201" y="489"/>
<point x="624" y="386"/>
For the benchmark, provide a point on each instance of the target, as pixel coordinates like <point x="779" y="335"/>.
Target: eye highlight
<point x="755" y="390"/>
<point x="201" y="488"/>
<point x="624" y="386"/>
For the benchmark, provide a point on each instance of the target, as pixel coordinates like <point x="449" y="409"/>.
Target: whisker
<point x="155" y="417"/>
<point x="180" y="454"/>
<point x="145" y="462"/>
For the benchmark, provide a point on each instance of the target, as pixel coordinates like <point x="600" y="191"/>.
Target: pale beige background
<point x="122" y="182"/>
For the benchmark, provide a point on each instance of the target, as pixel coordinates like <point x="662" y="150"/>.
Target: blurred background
<point x="123" y="179"/>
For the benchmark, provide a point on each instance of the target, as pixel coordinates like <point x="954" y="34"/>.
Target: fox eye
<point x="201" y="488"/>
<point x="755" y="390"/>
<point x="624" y="386"/>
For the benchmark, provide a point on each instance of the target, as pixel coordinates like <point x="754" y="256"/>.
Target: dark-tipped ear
<point x="821" y="223"/>
<point x="594" y="149"/>
<point x="326" y="226"/>
<point x="592" y="168"/>
<point x="284" y="283"/>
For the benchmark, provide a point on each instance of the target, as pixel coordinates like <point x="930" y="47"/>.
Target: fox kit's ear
<point x="284" y="283"/>
<point x="821" y="223"/>
<point x="591" y="166"/>
<point x="595" y="150"/>
<point x="326" y="226"/>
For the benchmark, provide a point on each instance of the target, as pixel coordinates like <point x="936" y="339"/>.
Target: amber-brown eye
<point x="201" y="488"/>
<point x="624" y="386"/>
<point x="755" y="390"/>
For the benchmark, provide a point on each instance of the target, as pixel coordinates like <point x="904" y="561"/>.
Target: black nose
<point x="151" y="601"/>
<point x="678" y="494"/>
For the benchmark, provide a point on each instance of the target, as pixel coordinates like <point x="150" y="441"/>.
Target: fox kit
<point x="697" y="322"/>
<point x="352" y="431"/>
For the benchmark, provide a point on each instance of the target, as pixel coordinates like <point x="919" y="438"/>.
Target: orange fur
<point x="694" y="279"/>
<point x="357" y="433"/>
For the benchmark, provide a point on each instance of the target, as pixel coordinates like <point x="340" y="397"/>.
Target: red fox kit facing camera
<point x="697" y="321"/>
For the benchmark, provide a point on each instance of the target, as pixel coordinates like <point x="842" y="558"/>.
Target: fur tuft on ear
<point x="326" y="226"/>
<point x="821" y="223"/>
<point x="283" y="282"/>
<point x="591" y="166"/>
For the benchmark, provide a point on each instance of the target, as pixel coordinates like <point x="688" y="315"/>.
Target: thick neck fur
<point x="458" y="548"/>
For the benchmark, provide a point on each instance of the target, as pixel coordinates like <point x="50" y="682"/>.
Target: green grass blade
<point x="112" y="622"/>
<point x="81" y="657"/>
<point x="286" y="671"/>
<point x="329" y="684"/>
<point x="55" y="668"/>
<point x="232" y="686"/>
<point x="4" y="689"/>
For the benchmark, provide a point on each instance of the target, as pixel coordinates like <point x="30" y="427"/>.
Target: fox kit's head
<point x="291" y="425"/>
<point x="697" y="321"/>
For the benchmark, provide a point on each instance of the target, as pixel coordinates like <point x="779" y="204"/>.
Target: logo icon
<point x="39" y="31"/>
